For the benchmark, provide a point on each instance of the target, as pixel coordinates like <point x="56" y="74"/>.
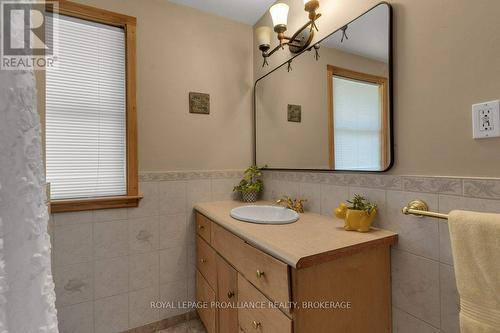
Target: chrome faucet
<point x="294" y="204"/>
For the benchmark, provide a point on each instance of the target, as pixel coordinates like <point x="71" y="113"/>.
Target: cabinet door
<point x="205" y="294"/>
<point x="226" y="294"/>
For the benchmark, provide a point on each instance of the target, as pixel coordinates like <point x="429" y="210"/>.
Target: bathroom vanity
<point x="308" y="276"/>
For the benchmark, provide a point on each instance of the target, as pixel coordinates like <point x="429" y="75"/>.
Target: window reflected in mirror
<point x="358" y="120"/>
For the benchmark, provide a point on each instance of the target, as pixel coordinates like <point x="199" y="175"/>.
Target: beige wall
<point x="179" y="50"/>
<point x="446" y="59"/>
<point x="304" y="145"/>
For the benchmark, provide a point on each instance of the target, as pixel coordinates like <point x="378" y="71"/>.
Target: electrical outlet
<point x="486" y="120"/>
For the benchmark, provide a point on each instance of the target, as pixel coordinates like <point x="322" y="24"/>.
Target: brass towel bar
<point x="420" y="209"/>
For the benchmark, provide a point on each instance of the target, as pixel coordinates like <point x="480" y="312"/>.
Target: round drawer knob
<point x="256" y="324"/>
<point x="201" y="227"/>
<point x="203" y="261"/>
<point x="230" y="294"/>
<point x="259" y="274"/>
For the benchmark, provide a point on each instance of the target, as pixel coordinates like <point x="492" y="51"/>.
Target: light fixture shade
<point x="306" y="2"/>
<point x="263" y="35"/>
<point x="279" y="13"/>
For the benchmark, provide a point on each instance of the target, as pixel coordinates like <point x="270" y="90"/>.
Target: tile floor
<point x="192" y="326"/>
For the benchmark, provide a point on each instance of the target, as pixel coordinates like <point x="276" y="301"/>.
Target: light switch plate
<point x="486" y="120"/>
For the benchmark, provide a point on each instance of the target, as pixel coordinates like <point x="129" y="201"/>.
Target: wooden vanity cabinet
<point x="229" y="270"/>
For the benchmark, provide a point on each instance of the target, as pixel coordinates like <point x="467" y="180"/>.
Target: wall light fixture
<point x="299" y="41"/>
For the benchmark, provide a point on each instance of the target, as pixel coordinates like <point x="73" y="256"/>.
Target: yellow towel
<point x="475" y="242"/>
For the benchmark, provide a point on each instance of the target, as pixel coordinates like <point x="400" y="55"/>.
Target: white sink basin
<point x="265" y="214"/>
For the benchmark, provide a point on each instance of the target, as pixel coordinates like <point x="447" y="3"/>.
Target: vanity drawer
<point x="263" y="320"/>
<point x="203" y="227"/>
<point x="205" y="294"/>
<point x="265" y="272"/>
<point x="206" y="261"/>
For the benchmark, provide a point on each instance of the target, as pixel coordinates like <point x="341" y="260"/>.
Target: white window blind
<point x="357" y="124"/>
<point x="86" y="111"/>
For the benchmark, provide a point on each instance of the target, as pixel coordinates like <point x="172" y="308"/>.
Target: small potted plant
<point x="251" y="185"/>
<point x="358" y="215"/>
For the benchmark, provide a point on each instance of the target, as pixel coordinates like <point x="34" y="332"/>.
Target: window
<point x="90" y="131"/>
<point x="358" y="120"/>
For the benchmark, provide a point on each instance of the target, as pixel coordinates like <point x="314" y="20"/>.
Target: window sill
<point x="60" y="206"/>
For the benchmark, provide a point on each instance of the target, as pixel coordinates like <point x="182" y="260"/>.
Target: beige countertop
<point x="311" y="240"/>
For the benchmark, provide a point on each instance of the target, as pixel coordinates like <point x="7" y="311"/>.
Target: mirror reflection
<point x="329" y="108"/>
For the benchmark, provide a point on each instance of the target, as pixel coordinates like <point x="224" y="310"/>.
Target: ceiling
<point x="368" y="36"/>
<point x="244" y="11"/>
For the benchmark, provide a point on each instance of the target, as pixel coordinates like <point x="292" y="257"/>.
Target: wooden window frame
<point x="384" y="109"/>
<point x="128" y="23"/>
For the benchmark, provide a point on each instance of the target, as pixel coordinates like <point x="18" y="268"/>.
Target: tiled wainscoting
<point x="424" y="292"/>
<point x="109" y="265"/>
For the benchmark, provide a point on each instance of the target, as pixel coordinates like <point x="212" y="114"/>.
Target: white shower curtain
<point x="26" y="285"/>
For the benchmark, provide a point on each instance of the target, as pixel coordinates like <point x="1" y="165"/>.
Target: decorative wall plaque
<point x="199" y="103"/>
<point x="294" y="113"/>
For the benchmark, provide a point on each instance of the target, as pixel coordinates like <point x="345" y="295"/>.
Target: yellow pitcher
<point x="358" y="220"/>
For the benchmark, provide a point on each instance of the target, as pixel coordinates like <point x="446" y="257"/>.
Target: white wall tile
<point x="443" y="185"/>
<point x="331" y="197"/>
<point x="73" y="244"/>
<point x="111" y="277"/>
<point x="192" y="254"/>
<point x="403" y="322"/>
<point x="173" y="264"/>
<point x="78" y="318"/>
<point x="448" y="203"/>
<point x="450" y="300"/>
<point x="143" y="234"/>
<point x="173" y="231"/>
<point x="111" y="314"/>
<point x="140" y="310"/>
<point x="198" y="191"/>
<point x="312" y="193"/>
<point x="269" y="193"/>
<point x="149" y="205"/>
<point x="482" y="188"/>
<point x="172" y="197"/>
<point x="222" y="189"/>
<point x="287" y="188"/>
<point x="416" y="235"/>
<point x="106" y="215"/>
<point x="415" y="286"/>
<point x="424" y="292"/>
<point x="74" y="283"/>
<point x="191" y="289"/>
<point x="144" y="270"/>
<point x="175" y="293"/>
<point x="72" y="218"/>
<point x="110" y="239"/>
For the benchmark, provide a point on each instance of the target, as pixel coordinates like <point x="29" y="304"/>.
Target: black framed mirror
<point x="330" y="107"/>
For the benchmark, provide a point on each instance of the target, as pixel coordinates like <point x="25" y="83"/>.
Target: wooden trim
<point x="384" y="133"/>
<point x="331" y="143"/>
<point x="128" y="23"/>
<point x="132" y="157"/>
<point x="94" y="14"/>
<point x="384" y="109"/>
<point x="59" y="206"/>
